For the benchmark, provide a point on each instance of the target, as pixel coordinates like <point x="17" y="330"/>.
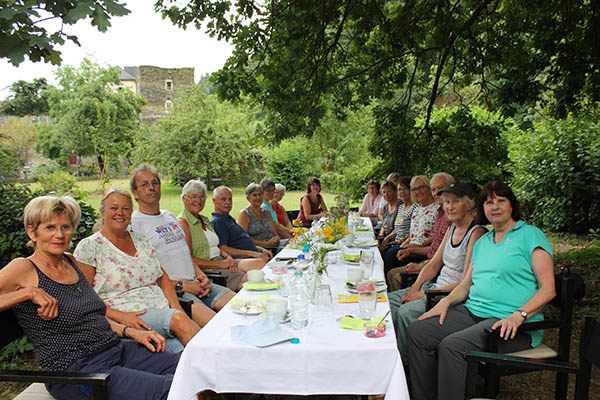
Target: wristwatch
<point x="179" y="288"/>
<point x="523" y="314"/>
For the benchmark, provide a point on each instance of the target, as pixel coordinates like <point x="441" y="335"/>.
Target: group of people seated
<point x="113" y="306"/>
<point x="497" y="279"/>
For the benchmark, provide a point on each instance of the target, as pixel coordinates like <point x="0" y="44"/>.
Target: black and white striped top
<point x="80" y="329"/>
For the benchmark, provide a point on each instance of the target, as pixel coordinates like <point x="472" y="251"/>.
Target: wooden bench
<point x="11" y="331"/>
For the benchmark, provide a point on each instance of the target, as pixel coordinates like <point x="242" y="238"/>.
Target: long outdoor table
<point x="328" y="359"/>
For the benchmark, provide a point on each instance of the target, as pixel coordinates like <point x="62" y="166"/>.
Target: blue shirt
<point x="230" y="233"/>
<point x="267" y="206"/>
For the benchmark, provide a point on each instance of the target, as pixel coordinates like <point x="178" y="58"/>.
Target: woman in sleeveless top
<point x="65" y="319"/>
<point x="256" y="221"/>
<point x="312" y="204"/>
<point x="449" y="261"/>
<point x="204" y="242"/>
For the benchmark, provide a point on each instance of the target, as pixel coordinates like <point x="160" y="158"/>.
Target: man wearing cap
<point x="450" y="259"/>
<point x="438" y="182"/>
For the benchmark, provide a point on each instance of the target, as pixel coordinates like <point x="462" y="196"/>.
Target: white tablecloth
<point x="328" y="359"/>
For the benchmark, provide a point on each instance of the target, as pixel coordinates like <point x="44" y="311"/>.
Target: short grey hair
<point x="193" y="186"/>
<point x="447" y="177"/>
<point x="267" y="183"/>
<point x="218" y="189"/>
<point x="279" y="186"/>
<point x="142" y="168"/>
<point x="253" y="187"/>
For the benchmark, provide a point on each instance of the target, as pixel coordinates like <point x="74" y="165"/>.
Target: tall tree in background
<point x="26" y="98"/>
<point x="90" y="116"/>
<point x="19" y="136"/>
<point x="23" y="32"/>
<point x="289" y="54"/>
<point x="201" y="137"/>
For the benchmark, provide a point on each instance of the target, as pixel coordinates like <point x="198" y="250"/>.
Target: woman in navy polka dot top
<point x="64" y="318"/>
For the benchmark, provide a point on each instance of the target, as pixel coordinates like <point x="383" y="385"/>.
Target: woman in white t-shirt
<point x="204" y="242"/>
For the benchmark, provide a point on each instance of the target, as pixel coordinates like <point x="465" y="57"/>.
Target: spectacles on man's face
<point x="144" y="185"/>
<point x="416" y="189"/>
<point x="195" y="197"/>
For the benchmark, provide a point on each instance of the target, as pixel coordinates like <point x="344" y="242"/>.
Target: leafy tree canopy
<point x="91" y="117"/>
<point x="23" y="32"/>
<point x="201" y="137"/>
<point x="26" y="98"/>
<point x="289" y="54"/>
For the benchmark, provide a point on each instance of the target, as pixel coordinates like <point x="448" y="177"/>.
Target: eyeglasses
<point x="195" y="197"/>
<point x="418" y="188"/>
<point x="144" y="185"/>
<point x="403" y="189"/>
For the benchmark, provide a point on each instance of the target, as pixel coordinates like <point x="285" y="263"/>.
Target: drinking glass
<point x="367" y="299"/>
<point x="325" y="300"/>
<point x="366" y="263"/>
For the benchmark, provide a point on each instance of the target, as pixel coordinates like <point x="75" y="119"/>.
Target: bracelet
<point x="124" y="330"/>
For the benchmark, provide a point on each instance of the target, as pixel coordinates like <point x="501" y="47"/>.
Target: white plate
<point x="249" y="307"/>
<point x="352" y="262"/>
<point x="379" y="287"/>
<point x="286" y="319"/>
<point x="366" y="244"/>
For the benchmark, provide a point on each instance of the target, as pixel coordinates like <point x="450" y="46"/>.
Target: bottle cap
<point x="300" y="256"/>
<point x="298" y="273"/>
<point x="295" y="340"/>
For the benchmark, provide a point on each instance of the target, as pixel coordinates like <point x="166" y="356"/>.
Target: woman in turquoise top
<point x="510" y="279"/>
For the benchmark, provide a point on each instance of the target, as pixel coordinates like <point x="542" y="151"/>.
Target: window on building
<point x="168" y="106"/>
<point x="168" y="85"/>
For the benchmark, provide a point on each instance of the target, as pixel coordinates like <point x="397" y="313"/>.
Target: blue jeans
<point x="159" y="320"/>
<point x="135" y="374"/>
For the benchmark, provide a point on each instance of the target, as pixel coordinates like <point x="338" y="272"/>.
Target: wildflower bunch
<point x="333" y="229"/>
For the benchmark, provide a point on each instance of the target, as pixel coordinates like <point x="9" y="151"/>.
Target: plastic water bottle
<point x="299" y="301"/>
<point x="301" y="262"/>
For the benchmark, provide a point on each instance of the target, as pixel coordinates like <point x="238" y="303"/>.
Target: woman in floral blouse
<point x="124" y="271"/>
<point x="421" y="225"/>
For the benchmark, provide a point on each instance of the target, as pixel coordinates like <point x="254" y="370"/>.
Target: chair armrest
<point x="80" y="378"/>
<point x="494" y="335"/>
<point x="217" y="277"/>
<point x="431" y="295"/>
<point x="505" y="360"/>
<point x="186" y="305"/>
<point x="407" y="278"/>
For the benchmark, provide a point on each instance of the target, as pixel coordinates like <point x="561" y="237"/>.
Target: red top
<point x="315" y="208"/>
<point x="280" y="213"/>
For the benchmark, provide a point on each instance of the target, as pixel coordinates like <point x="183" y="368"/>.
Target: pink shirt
<point x="372" y="207"/>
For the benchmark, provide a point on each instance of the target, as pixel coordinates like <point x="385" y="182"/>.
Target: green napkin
<point x="262" y="298"/>
<point x="351" y="257"/>
<point x="260" y="286"/>
<point x="358" y="324"/>
<point x="362" y="230"/>
<point x="291" y="246"/>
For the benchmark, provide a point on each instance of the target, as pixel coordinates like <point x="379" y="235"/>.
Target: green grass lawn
<point x="171" y="197"/>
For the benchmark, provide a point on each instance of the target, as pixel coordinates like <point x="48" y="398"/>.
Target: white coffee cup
<point x="277" y="308"/>
<point x="354" y="274"/>
<point x="256" y="276"/>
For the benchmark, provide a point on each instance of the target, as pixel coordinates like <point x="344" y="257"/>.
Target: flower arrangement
<point x="297" y="222"/>
<point x="320" y="251"/>
<point x="333" y="229"/>
<point x="301" y="236"/>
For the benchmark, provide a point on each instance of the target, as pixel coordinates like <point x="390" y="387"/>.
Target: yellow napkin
<point x="358" y="324"/>
<point x="260" y="286"/>
<point x="353" y="298"/>
<point x="263" y="298"/>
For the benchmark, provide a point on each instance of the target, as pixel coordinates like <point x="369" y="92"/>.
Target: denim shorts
<point x="211" y="299"/>
<point x="159" y="320"/>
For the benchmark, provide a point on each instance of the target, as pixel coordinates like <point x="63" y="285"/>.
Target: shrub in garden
<point x="556" y="172"/>
<point x="13" y="238"/>
<point x="291" y="162"/>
